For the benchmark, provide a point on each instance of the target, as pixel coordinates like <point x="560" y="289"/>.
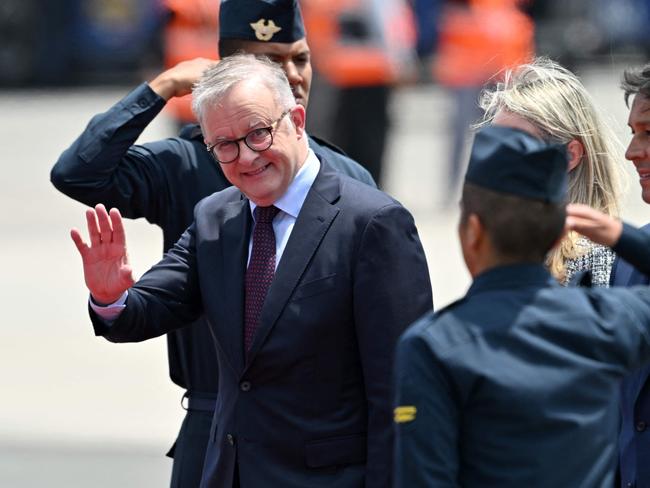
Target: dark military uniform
<point x="517" y="384"/>
<point x="162" y="181"/>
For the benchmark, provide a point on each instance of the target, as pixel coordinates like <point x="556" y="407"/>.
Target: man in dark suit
<point x="305" y="307"/>
<point x="516" y="384"/>
<point x="634" y="440"/>
<point x="163" y="180"/>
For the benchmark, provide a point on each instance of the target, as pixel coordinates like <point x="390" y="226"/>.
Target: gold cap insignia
<point x="404" y="414"/>
<point x="265" y="29"/>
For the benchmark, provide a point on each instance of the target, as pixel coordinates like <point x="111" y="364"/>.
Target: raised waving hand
<point x="107" y="271"/>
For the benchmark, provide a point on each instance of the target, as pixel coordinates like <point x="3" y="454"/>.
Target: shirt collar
<point x="292" y="200"/>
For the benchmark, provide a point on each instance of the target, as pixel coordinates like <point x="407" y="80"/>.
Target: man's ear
<point x="472" y="242"/>
<point x="575" y="151"/>
<point x="475" y="232"/>
<point x="298" y="118"/>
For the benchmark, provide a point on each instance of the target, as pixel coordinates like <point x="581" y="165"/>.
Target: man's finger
<point x="580" y="210"/>
<point x="118" y="227"/>
<point x="93" y="228"/>
<point x="580" y="223"/>
<point x="82" y="247"/>
<point x="126" y="274"/>
<point x="105" y="229"/>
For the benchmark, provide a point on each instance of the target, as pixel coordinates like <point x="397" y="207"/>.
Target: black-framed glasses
<point x="257" y="140"/>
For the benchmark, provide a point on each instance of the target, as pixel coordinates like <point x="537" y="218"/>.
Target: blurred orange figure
<point x="354" y="43"/>
<point x="362" y="48"/>
<point x="477" y="41"/>
<point x="192" y="32"/>
<point x="480" y="40"/>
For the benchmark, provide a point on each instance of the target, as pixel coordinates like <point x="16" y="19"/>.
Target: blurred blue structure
<point x="574" y="31"/>
<point x="121" y="35"/>
<point x="89" y="41"/>
<point x="71" y="41"/>
<point x="427" y="16"/>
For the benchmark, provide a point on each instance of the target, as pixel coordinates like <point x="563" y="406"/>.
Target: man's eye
<point x="225" y="145"/>
<point x="257" y="135"/>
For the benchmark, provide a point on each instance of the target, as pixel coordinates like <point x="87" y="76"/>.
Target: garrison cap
<point x="511" y="161"/>
<point x="261" y="20"/>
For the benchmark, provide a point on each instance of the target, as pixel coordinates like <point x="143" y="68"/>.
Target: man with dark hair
<point x="518" y="233"/>
<point x="516" y="384"/>
<point x="634" y="443"/>
<point x="295" y="268"/>
<point x="636" y="81"/>
<point x="163" y="180"/>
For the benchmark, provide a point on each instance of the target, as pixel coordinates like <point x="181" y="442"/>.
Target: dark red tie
<point x="261" y="269"/>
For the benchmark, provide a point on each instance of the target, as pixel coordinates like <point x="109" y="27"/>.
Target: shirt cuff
<point x="112" y="311"/>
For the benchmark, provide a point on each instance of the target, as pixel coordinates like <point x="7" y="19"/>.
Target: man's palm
<point x="105" y="261"/>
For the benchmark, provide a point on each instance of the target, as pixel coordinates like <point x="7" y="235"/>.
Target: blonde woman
<point x="549" y="101"/>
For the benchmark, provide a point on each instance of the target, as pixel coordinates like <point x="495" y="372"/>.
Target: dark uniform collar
<point x="512" y="277"/>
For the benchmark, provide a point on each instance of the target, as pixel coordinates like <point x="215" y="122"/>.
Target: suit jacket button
<point x="245" y="385"/>
<point x="641" y="426"/>
<point x="230" y="439"/>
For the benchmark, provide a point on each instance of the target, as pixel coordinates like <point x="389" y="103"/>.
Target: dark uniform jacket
<point x="517" y="383"/>
<point x="161" y="181"/>
<point x="309" y="405"/>
<point x="634" y="440"/>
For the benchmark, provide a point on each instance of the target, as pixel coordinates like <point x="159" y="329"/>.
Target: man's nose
<point x="634" y="150"/>
<point x="293" y="75"/>
<point x="246" y="154"/>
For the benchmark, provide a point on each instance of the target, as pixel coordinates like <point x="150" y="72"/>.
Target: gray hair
<point x="554" y="100"/>
<point x="219" y="79"/>
<point x="636" y="80"/>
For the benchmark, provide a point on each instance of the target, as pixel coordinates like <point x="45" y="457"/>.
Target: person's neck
<point x="488" y="262"/>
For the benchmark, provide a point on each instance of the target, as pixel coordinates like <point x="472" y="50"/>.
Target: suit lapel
<point x="312" y="224"/>
<point x="621" y="273"/>
<point x="235" y="236"/>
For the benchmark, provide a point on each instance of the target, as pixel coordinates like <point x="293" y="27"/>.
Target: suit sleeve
<point x="634" y="247"/>
<point x="167" y="297"/>
<point x="391" y="290"/>
<point x="426" y="418"/>
<point x="103" y="164"/>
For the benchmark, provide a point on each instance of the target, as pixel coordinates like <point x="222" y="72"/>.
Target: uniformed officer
<point x="163" y="180"/>
<point x="516" y="384"/>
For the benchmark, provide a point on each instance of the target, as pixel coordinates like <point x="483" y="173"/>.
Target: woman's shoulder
<point x="591" y="257"/>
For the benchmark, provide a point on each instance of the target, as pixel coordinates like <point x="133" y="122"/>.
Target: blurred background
<point x="77" y="411"/>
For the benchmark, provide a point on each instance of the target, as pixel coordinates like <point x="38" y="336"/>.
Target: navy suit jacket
<point x="634" y="436"/>
<point x="310" y="404"/>
<point x="161" y="181"/>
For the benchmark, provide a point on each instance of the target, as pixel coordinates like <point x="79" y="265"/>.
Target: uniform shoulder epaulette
<point x="328" y="145"/>
<point x="431" y="317"/>
<point x="451" y="306"/>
